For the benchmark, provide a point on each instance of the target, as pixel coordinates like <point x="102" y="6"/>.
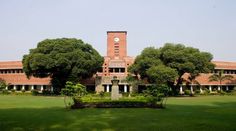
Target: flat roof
<point x="117" y="32"/>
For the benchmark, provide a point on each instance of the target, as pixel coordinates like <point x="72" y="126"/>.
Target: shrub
<point x="5" y="92"/>
<point x="78" y="103"/>
<point x="125" y="94"/>
<point x="107" y="94"/>
<point x="206" y="91"/>
<point x="221" y="92"/>
<point x="23" y="91"/>
<point x="13" y="90"/>
<point x="34" y="92"/>
<point x="187" y="92"/>
<point x="102" y="94"/>
<point x="46" y="92"/>
<point x="197" y="92"/>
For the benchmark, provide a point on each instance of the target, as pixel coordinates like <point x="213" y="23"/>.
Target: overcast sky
<point x="209" y="25"/>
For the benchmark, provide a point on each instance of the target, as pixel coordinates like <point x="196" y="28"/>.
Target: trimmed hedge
<point x="114" y="104"/>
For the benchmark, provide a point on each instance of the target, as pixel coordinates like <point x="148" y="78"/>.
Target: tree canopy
<point x="63" y="59"/>
<point x="169" y="63"/>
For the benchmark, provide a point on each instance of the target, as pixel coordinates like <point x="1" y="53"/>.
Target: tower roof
<point x="117" y="32"/>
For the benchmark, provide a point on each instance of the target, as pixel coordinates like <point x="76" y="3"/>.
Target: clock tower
<point x="116" y="44"/>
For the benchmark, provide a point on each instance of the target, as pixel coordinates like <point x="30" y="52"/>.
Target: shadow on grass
<point x="218" y="116"/>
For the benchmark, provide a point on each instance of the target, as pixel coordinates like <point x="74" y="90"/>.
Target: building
<point x="12" y="73"/>
<point x="116" y="63"/>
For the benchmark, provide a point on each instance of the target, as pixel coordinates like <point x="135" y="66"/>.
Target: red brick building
<point x="116" y="63"/>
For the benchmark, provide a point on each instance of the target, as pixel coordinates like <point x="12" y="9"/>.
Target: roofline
<point x="117" y="32"/>
<point x="10" y="61"/>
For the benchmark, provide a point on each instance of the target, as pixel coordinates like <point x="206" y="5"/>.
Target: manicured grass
<point x="182" y="113"/>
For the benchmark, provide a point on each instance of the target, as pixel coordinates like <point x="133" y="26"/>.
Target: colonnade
<point x="181" y="91"/>
<point x="108" y="88"/>
<point x="30" y="87"/>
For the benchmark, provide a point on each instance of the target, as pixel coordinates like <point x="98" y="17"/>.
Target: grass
<point x="182" y="113"/>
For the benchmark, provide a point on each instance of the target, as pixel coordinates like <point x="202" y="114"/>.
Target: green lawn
<point x="48" y="113"/>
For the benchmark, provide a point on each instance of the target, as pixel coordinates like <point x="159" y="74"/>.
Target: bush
<point x="197" y="92"/>
<point x="23" y="91"/>
<point x="114" y="104"/>
<point x="13" y="90"/>
<point x="5" y="92"/>
<point x="46" y="92"/>
<point x="221" y="92"/>
<point x="102" y="94"/>
<point x="107" y="94"/>
<point x="187" y="92"/>
<point x="34" y="92"/>
<point x="125" y="94"/>
<point x="206" y="91"/>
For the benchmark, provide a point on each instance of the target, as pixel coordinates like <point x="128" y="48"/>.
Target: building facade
<point x="116" y="63"/>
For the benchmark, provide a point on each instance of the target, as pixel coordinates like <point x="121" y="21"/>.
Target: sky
<point x="209" y="25"/>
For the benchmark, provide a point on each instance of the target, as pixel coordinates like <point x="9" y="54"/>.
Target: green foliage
<point x="161" y="74"/>
<point x="23" y="91"/>
<point x="5" y="92"/>
<point x="102" y="94"/>
<point x="64" y="59"/>
<point x="220" y="77"/>
<point x="34" y="92"/>
<point x="163" y="65"/>
<point x="125" y="94"/>
<point x="3" y="84"/>
<point x="156" y="93"/>
<point x="187" y="92"/>
<point x="73" y="91"/>
<point x="13" y="90"/>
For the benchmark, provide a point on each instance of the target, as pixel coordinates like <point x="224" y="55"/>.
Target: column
<point x="6" y="87"/>
<point x="191" y="88"/>
<point x="23" y="87"/>
<point x="218" y="88"/>
<point x="201" y="91"/>
<point x="130" y="89"/>
<point x="227" y="88"/>
<point x="14" y="87"/>
<point x="125" y="88"/>
<point x="181" y="90"/>
<point x="210" y="89"/>
<point x="51" y="88"/>
<point x="108" y="90"/>
<point x="32" y="87"/>
<point x="41" y="88"/>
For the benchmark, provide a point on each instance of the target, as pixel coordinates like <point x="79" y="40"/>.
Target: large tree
<point x="171" y="61"/>
<point x="64" y="59"/>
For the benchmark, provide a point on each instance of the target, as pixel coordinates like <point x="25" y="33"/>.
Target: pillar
<point x="23" y="87"/>
<point x="14" y="87"/>
<point x="191" y="88"/>
<point x="130" y="89"/>
<point x="6" y="87"/>
<point x="41" y="88"/>
<point x="181" y="90"/>
<point x="201" y="91"/>
<point x="125" y="88"/>
<point x="32" y="87"/>
<point x="108" y="90"/>
<point x="210" y="89"/>
<point x="227" y="88"/>
<point x="218" y="88"/>
<point x="51" y="88"/>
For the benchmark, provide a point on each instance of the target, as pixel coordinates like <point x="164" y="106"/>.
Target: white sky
<point x="209" y="25"/>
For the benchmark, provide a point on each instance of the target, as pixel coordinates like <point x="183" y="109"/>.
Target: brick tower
<point x="116" y="62"/>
